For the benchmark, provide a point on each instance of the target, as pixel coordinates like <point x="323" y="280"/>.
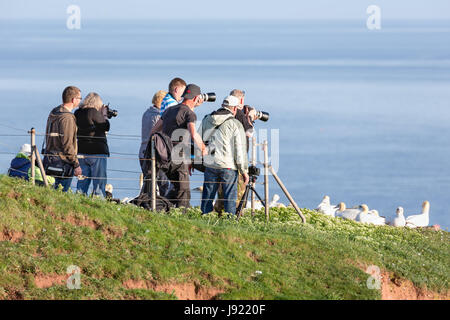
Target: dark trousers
<point x="180" y="194"/>
<point x="163" y="183"/>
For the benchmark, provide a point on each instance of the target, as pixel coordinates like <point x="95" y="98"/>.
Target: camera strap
<point x="213" y="130"/>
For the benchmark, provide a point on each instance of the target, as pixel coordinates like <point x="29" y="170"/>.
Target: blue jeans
<point x="65" y="182"/>
<point x="228" y="180"/>
<point x="94" y="165"/>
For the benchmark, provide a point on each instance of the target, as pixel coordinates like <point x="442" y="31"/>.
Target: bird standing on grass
<point x="326" y="208"/>
<point x="274" y="203"/>
<point x="399" y="221"/>
<point x="420" y="220"/>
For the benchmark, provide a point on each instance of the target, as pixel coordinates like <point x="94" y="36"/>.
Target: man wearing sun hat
<point x="227" y="155"/>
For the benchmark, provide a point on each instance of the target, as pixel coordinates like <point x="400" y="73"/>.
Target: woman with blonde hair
<point x="92" y="126"/>
<point x="149" y="119"/>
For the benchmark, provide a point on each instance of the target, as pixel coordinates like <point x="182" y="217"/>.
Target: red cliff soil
<point x="11" y="235"/>
<point x="44" y="281"/>
<point x="394" y="288"/>
<point x="183" y="291"/>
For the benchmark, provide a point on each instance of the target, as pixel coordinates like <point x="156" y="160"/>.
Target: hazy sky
<point x="225" y="9"/>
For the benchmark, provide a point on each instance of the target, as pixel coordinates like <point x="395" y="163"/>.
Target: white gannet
<point x="371" y="217"/>
<point x="350" y="214"/>
<point x="258" y="205"/>
<point x="274" y="201"/>
<point x="399" y="221"/>
<point x="420" y="220"/>
<point x="272" y="204"/>
<point x="326" y="208"/>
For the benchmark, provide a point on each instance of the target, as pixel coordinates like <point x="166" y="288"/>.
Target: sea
<point x="360" y="115"/>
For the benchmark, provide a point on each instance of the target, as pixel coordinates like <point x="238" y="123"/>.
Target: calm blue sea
<point x="363" y="116"/>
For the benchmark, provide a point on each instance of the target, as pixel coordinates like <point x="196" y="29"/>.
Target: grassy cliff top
<point x="125" y="252"/>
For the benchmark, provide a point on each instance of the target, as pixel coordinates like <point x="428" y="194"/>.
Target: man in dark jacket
<point x="178" y="123"/>
<point x="61" y="138"/>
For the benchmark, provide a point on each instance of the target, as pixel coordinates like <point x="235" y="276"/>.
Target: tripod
<point x="243" y="202"/>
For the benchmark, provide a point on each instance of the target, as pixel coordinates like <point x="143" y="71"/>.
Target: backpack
<point x="163" y="152"/>
<point x="145" y="201"/>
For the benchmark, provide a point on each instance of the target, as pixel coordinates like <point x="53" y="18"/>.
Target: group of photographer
<point x="76" y="144"/>
<point x="222" y="141"/>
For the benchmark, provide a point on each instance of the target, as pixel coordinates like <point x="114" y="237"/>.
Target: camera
<point x="208" y="97"/>
<point x="260" y="115"/>
<point x="254" y="171"/>
<point x="110" y="112"/>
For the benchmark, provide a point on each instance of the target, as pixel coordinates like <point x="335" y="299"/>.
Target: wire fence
<point x="116" y="155"/>
<point x="135" y="157"/>
<point x="115" y="188"/>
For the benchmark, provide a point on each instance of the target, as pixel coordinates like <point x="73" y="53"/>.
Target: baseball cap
<point x="231" y="101"/>
<point x="191" y="91"/>
<point x="26" y="149"/>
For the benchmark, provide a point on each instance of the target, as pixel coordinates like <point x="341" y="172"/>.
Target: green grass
<point x="318" y="260"/>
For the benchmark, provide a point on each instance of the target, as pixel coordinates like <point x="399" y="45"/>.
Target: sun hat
<point x="26" y="149"/>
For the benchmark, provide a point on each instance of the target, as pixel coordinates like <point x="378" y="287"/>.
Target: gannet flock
<point x="362" y="214"/>
<point x="359" y="213"/>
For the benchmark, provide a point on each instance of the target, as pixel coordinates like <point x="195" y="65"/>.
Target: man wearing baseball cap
<point x="178" y="122"/>
<point x="227" y="155"/>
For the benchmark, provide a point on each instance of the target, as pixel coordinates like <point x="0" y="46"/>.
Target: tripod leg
<point x="242" y="202"/>
<point x="260" y="199"/>
<point x="286" y="192"/>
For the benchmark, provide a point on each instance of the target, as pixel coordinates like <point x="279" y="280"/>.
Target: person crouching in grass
<point x="21" y="167"/>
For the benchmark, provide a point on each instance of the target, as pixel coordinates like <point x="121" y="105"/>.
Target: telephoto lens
<point x="209" y="97"/>
<point x="262" y="115"/>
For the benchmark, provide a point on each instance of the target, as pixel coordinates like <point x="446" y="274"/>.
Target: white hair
<point x="92" y="100"/>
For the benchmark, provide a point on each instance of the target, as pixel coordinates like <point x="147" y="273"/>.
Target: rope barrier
<point x="9" y="127"/>
<point x="125" y="171"/>
<point x="133" y="189"/>
<point x="120" y="154"/>
<point x="115" y="137"/>
<point x="125" y="135"/>
<point x="135" y="179"/>
<point x="125" y="154"/>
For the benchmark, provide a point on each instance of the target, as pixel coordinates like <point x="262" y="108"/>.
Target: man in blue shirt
<point x="176" y="89"/>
